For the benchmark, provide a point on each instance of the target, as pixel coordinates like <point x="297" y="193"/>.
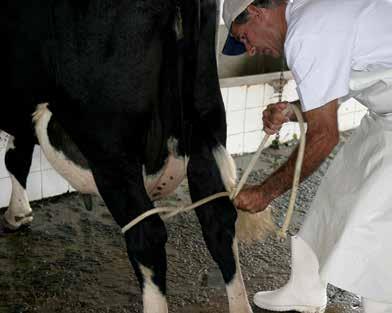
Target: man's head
<point x="256" y="26"/>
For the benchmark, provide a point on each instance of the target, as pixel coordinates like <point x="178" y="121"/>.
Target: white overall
<point x="349" y="225"/>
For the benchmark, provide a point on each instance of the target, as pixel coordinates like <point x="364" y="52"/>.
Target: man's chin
<point x="276" y="55"/>
<point x="269" y="52"/>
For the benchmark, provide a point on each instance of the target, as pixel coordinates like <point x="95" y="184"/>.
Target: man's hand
<point x="251" y="199"/>
<point x="274" y="117"/>
<point x="322" y="136"/>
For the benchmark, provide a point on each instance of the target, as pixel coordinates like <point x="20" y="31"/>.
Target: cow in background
<point x="130" y="85"/>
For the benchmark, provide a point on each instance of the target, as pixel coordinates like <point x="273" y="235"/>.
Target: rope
<point x="282" y="233"/>
<point x="169" y="212"/>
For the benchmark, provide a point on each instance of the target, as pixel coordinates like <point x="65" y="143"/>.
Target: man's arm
<point x="321" y="137"/>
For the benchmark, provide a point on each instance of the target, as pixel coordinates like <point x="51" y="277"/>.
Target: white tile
<point x="236" y="98"/>
<point x="346" y="121"/>
<point x="295" y="129"/>
<point x="269" y="95"/>
<point x="286" y="133"/>
<point x="36" y="162"/>
<point x="5" y="191"/>
<point x="255" y="96"/>
<point x="235" y="122"/>
<point x="45" y="165"/>
<point x="34" y="190"/>
<point x="3" y="170"/>
<point x="347" y="106"/>
<point x="235" y="144"/>
<point x="290" y="91"/>
<point x="53" y="184"/>
<point x="252" y="141"/>
<point x="224" y="93"/>
<point x="253" y="119"/>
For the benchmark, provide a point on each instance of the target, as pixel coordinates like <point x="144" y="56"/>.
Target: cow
<point x="117" y="92"/>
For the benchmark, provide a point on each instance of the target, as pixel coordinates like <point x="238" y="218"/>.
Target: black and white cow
<point x="120" y="91"/>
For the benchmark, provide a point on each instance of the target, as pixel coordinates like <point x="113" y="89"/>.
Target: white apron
<point x="349" y="225"/>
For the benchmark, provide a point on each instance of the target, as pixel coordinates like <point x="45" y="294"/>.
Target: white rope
<point x="250" y="167"/>
<point x="282" y="233"/>
<point x="171" y="211"/>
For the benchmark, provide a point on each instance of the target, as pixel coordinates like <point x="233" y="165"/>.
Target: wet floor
<point x="73" y="260"/>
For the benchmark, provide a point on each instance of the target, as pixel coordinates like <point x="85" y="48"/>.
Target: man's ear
<point x="255" y="11"/>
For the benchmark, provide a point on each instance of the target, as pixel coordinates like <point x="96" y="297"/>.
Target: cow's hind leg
<point x="18" y="161"/>
<point x="217" y="220"/>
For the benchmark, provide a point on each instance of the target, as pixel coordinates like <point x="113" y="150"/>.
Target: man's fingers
<point x="278" y="106"/>
<point x="271" y="128"/>
<point x="278" y="119"/>
<point x="274" y="117"/>
<point x="251" y="211"/>
<point x="275" y="112"/>
<point x="282" y="106"/>
<point x="243" y="206"/>
<point x="269" y="131"/>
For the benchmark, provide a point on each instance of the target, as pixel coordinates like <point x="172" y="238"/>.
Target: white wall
<point x="42" y="182"/>
<point x="244" y="106"/>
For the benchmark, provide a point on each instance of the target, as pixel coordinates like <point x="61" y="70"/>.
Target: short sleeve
<point x="321" y="66"/>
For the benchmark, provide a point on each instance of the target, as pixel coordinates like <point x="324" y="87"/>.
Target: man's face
<point x="261" y="34"/>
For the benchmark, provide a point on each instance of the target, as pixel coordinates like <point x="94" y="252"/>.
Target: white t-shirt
<point x="327" y="39"/>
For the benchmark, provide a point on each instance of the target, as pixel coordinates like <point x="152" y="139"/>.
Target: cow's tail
<point x="254" y="227"/>
<point x="41" y="109"/>
<point x="227" y="167"/>
<point x="249" y="227"/>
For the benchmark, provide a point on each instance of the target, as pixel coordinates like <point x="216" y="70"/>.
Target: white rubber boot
<point x="304" y="292"/>
<point x="370" y="306"/>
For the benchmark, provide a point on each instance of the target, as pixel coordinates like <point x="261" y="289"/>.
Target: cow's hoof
<point x="6" y="228"/>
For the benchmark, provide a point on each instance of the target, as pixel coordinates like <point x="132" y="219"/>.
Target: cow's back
<point x="108" y="52"/>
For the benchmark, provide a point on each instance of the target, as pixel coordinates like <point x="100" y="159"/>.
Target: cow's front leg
<point x="18" y="161"/>
<point x="112" y="153"/>
<point x="149" y="263"/>
<point x="217" y="220"/>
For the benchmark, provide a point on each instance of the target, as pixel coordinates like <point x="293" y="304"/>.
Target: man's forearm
<point x="317" y="148"/>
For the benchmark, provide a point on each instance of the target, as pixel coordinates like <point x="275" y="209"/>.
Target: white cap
<point x="231" y="9"/>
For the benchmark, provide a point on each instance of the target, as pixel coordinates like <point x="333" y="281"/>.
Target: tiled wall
<point x="42" y="182"/>
<point x="244" y="105"/>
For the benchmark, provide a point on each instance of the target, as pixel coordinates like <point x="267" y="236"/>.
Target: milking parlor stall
<point x="72" y="259"/>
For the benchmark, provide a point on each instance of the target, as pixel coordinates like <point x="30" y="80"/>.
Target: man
<point x="334" y="48"/>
